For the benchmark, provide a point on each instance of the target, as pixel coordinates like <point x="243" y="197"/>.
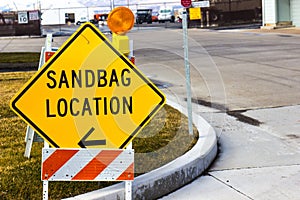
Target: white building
<point x="60" y="12"/>
<point x="281" y="13"/>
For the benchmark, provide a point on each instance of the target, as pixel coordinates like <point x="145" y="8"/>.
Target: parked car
<point x="166" y="14"/>
<point x="101" y="18"/>
<point x="84" y="19"/>
<point x="143" y="15"/>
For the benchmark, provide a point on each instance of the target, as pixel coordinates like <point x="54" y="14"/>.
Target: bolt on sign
<point x="88" y="95"/>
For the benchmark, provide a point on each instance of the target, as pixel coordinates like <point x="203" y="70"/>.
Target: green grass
<point x="163" y="139"/>
<point x="19" y="57"/>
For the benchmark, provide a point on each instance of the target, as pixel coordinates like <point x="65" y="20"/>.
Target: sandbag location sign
<point x="88" y="95"/>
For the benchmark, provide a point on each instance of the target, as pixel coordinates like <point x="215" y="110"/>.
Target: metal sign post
<point x="187" y="71"/>
<point x="46" y="52"/>
<point x="128" y="184"/>
<point x="48" y="48"/>
<point x="30" y="136"/>
<point x="45" y="182"/>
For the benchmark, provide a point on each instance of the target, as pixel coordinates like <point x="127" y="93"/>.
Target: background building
<point x="281" y="13"/>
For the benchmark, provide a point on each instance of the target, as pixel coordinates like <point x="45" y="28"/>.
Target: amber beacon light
<point x="120" y="20"/>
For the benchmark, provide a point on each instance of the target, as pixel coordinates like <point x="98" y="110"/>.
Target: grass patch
<point x="163" y="139"/>
<point x="19" y="57"/>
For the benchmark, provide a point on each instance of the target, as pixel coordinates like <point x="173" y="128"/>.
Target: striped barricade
<point x="87" y="164"/>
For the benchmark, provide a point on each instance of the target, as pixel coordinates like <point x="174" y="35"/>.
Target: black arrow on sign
<point x="83" y="143"/>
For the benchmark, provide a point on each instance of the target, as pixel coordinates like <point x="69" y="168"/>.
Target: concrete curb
<point x="171" y="176"/>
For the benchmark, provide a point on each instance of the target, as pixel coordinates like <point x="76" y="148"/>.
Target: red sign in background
<point x="186" y="3"/>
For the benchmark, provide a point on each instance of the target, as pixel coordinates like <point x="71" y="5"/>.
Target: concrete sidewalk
<point x="27" y="44"/>
<point x="294" y="30"/>
<point x="254" y="162"/>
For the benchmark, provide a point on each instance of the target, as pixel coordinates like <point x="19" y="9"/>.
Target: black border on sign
<point x="56" y="56"/>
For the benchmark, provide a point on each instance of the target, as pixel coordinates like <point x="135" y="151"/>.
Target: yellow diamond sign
<point x="88" y="95"/>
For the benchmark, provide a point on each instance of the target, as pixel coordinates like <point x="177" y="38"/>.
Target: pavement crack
<point x="8" y="43"/>
<point x="230" y="186"/>
<point x="249" y="168"/>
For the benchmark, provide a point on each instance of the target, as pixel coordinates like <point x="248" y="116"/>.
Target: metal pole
<point x="187" y="71"/>
<point x="59" y="19"/>
<point x="207" y="18"/>
<point x="29" y="141"/>
<point x="45" y="183"/>
<point x="128" y="184"/>
<point x="263" y="13"/>
<point x="112" y="4"/>
<point x="46" y="145"/>
<point x="87" y="13"/>
<point x="202" y="19"/>
<point x="29" y="131"/>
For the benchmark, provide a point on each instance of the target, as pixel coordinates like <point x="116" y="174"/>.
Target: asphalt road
<point x="239" y="70"/>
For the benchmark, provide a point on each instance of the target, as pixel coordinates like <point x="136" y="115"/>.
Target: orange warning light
<point x="120" y="20"/>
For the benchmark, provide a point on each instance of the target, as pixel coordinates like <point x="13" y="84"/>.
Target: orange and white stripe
<point x="87" y="164"/>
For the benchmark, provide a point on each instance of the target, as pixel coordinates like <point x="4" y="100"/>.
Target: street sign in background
<point x="201" y="4"/>
<point x="34" y="15"/>
<point x="88" y="95"/>
<point x="23" y="17"/>
<point x="195" y="13"/>
<point x="186" y="3"/>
